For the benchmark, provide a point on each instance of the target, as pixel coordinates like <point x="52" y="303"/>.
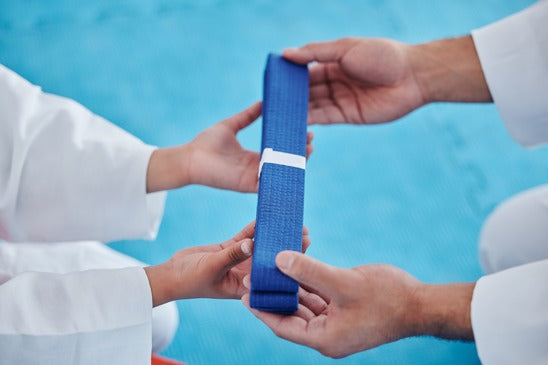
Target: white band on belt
<point x="281" y="158"/>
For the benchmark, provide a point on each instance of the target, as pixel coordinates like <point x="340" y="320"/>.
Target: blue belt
<point x="280" y="205"/>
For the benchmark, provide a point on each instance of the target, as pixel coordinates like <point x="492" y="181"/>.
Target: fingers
<point x="306" y="239"/>
<point x="324" y="73"/>
<point x="309" y="150"/>
<point x="309" y="137"/>
<point x="319" y="92"/>
<point x="247" y="232"/>
<point x="308" y="271"/>
<point x="326" y="114"/>
<point x="323" y="296"/>
<point x="232" y="255"/>
<point x="321" y="52"/>
<point x="292" y="328"/>
<point x="312" y="301"/>
<point x="302" y="310"/>
<point x="309" y="147"/>
<point x="246" y="281"/>
<point x="244" y="118"/>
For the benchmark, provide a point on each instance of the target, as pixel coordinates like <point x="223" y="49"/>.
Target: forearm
<point x="443" y="310"/>
<point x="449" y="70"/>
<point x="168" y="168"/>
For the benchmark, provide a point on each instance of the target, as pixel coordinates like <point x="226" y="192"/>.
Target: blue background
<point x="412" y="193"/>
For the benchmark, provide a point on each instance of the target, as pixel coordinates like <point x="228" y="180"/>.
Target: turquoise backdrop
<point x="412" y="193"/>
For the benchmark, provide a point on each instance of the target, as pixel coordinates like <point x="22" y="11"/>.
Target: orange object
<point x="159" y="360"/>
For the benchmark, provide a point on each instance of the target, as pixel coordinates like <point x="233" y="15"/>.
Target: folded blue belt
<point x="280" y="204"/>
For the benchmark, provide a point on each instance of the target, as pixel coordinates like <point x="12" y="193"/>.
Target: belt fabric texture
<point x="281" y="186"/>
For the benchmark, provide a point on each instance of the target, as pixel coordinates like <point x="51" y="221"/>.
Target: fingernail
<point x="247" y="282"/>
<point x="246" y="247"/>
<point x="284" y="260"/>
<point x="290" y="50"/>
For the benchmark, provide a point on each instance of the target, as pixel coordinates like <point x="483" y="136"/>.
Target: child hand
<point x="212" y="271"/>
<point x="218" y="160"/>
<point x="214" y="158"/>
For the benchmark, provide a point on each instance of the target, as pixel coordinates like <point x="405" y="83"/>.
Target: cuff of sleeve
<point x="514" y="63"/>
<point x="510" y="316"/>
<point x="136" y="214"/>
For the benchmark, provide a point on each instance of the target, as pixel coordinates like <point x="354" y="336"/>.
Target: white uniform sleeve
<point x="510" y="315"/>
<point x="67" y="174"/>
<point x="87" y="317"/>
<point x="514" y="56"/>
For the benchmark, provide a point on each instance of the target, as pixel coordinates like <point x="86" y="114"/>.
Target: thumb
<point x="330" y="51"/>
<point x="243" y="119"/>
<point x="232" y="255"/>
<point x="311" y="272"/>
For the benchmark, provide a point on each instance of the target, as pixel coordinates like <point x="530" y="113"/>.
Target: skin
<point x="343" y="311"/>
<point x="214" y="158"/>
<point x="368" y="81"/>
<point x="211" y="271"/>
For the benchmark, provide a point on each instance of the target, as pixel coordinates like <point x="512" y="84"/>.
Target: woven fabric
<point x="281" y="188"/>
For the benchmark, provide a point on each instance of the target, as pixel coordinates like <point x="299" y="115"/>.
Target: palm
<point x="218" y="159"/>
<point x="372" y="82"/>
<point x="222" y="162"/>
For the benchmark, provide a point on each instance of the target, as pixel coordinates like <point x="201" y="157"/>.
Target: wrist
<point x="168" y="168"/>
<point x="449" y="70"/>
<point x="442" y="310"/>
<point x="160" y="278"/>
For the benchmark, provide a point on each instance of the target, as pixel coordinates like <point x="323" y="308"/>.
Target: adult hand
<point x="343" y="311"/>
<point x="214" y="158"/>
<point x="365" y="80"/>
<point x="212" y="271"/>
<point x="359" y="80"/>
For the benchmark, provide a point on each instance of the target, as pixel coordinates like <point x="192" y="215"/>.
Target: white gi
<point x="69" y="175"/>
<point x="510" y="306"/>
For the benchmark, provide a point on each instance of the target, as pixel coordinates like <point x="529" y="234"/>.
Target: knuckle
<point x="348" y="42"/>
<point x="233" y="255"/>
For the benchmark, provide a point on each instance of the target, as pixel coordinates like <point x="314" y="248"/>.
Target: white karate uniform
<point x="69" y="175"/>
<point x="510" y="305"/>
